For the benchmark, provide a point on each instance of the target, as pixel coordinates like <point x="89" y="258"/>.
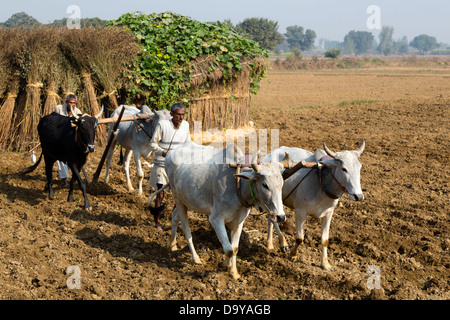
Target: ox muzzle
<point x="356" y="197"/>
<point x="91" y="148"/>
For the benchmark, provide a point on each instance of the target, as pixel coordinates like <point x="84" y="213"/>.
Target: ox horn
<point x="99" y="114"/>
<point x="328" y="151"/>
<point x="255" y="165"/>
<point x="286" y="161"/>
<point x="361" y="148"/>
<point x="74" y="114"/>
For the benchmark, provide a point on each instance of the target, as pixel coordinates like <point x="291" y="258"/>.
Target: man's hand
<point x="164" y="153"/>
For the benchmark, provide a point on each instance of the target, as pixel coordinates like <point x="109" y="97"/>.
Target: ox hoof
<point x="327" y="267"/>
<point x="285" y="249"/>
<point x="235" y="275"/>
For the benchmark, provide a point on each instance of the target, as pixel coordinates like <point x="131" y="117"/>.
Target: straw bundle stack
<point x="54" y="74"/>
<point x="6" y="110"/>
<point x="40" y="66"/>
<point x="77" y="46"/>
<point x="222" y="105"/>
<point x="14" y="62"/>
<point x="107" y="63"/>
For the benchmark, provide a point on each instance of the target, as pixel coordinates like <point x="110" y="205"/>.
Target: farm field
<point x="402" y="227"/>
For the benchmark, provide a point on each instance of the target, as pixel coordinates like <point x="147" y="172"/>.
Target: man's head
<point x="177" y="112"/>
<point x="71" y="101"/>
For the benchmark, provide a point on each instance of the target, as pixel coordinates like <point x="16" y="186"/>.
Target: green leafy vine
<point x="170" y="46"/>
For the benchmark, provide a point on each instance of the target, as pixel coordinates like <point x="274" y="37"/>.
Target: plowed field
<point x="402" y="226"/>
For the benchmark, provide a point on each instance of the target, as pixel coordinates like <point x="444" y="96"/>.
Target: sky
<point x="330" y="19"/>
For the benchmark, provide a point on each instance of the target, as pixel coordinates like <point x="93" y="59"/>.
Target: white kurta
<point x="166" y="137"/>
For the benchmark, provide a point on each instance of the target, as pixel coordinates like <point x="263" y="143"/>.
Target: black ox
<point x="70" y="140"/>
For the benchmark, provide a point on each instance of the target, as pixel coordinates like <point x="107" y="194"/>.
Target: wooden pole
<point x="102" y="160"/>
<point x="300" y="165"/>
<point x="143" y="116"/>
<point x="289" y="172"/>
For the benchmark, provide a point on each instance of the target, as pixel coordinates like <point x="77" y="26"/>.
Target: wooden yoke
<point x="287" y="173"/>
<point x="114" y="119"/>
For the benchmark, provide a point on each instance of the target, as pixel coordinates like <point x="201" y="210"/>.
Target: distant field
<point x="284" y="88"/>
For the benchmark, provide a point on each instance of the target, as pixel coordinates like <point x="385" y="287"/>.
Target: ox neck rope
<point x="321" y="174"/>
<point x="245" y="203"/>
<point x="301" y="180"/>
<point x="261" y="209"/>
<point x="327" y="173"/>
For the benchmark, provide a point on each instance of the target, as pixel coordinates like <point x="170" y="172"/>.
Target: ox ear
<point x="248" y="175"/>
<point x="328" y="163"/>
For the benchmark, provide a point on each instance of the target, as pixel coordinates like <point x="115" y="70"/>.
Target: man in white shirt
<point x="168" y="136"/>
<point x="65" y="110"/>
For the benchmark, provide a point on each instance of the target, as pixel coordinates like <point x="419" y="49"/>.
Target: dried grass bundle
<point x="69" y="78"/>
<point x="17" y="59"/>
<point x="54" y="73"/>
<point x="116" y="49"/>
<point x="77" y="46"/>
<point x="41" y="52"/>
<point x="7" y="110"/>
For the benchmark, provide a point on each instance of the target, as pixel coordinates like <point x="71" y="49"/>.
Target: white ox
<point x="309" y="194"/>
<point x="134" y="142"/>
<point x="201" y="180"/>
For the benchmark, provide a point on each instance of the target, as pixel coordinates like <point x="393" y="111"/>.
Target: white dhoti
<point x="63" y="170"/>
<point x="158" y="176"/>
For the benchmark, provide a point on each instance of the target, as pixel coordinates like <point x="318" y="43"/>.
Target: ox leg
<point x="126" y="168"/>
<point x="140" y="172"/>
<point x="235" y="235"/>
<point x="270" y="233"/>
<point x="182" y="215"/>
<point x="109" y="159"/>
<point x="173" y="235"/>
<point x="230" y="249"/>
<point x="48" y="173"/>
<point x="76" y="175"/>
<point x="326" y="221"/>
<point x="300" y="218"/>
<point x="281" y="239"/>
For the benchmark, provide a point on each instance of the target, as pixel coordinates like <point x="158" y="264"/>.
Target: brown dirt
<point x="402" y="227"/>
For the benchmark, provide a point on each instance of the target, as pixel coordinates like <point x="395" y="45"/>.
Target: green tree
<point x="401" y="46"/>
<point x="386" y="45"/>
<point x="296" y="38"/>
<point x="424" y="43"/>
<point x="86" y="22"/>
<point x="21" y="19"/>
<point x="333" y="53"/>
<point x="261" y="30"/>
<point x="360" y="41"/>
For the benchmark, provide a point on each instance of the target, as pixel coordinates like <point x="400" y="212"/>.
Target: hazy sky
<point x="330" y="19"/>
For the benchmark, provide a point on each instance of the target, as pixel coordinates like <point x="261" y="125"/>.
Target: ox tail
<point x="32" y="168"/>
<point x="155" y="193"/>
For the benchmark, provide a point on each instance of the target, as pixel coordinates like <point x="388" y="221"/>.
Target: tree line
<point x="265" y="32"/>
<point x="296" y="39"/>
